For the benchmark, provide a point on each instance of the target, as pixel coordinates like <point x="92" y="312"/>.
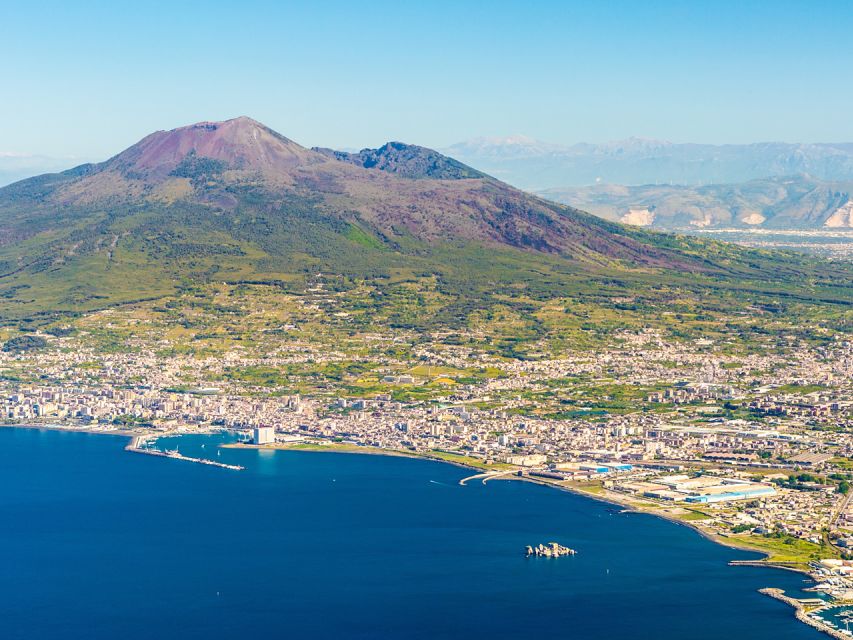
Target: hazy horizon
<point x="477" y="152"/>
<point x="72" y="160"/>
<point x="88" y="82"/>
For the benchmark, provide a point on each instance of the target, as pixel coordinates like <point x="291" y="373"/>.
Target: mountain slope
<point x="235" y="201"/>
<point x="795" y="202"/>
<point x="241" y="165"/>
<point x="15" y="167"/>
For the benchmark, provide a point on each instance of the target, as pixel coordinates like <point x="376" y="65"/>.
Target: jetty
<point x="550" y="550"/>
<point x="764" y="563"/>
<point x="488" y="475"/>
<point x="137" y="445"/>
<point x="806" y="611"/>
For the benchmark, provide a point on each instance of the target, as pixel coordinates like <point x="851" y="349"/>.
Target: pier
<point x="808" y="617"/>
<point x="137" y="443"/>
<point x="765" y="563"/>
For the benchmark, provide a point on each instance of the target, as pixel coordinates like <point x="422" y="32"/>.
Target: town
<point x="753" y="449"/>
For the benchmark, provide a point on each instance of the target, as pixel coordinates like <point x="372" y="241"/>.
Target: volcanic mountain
<point x="236" y="201"/>
<point x="397" y="192"/>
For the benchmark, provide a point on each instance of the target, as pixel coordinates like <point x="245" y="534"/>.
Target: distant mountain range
<point x="680" y="186"/>
<point x="536" y="165"/>
<point x="795" y="202"/>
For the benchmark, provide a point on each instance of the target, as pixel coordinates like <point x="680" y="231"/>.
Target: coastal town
<point x="750" y="444"/>
<point x="426" y="321"/>
<point x="753" y="449"/>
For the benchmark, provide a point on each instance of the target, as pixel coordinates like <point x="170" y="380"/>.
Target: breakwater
<point x="137" y="445"/>
<point x="765" y="563"/>
<point x="489" y="475"/>
<point x="804" y="616"/>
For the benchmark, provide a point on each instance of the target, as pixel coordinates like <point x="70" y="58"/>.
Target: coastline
<point x="601" y="495"/>
<point x="608" y="497"/>
<point x="605" y="496"/>
<point x="615" y="542"/>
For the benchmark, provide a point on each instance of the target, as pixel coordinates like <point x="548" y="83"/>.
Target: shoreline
<point x="606" y="496"/>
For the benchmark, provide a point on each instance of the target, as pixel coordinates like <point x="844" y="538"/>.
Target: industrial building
<point x="619" y="466"/>
<point x="594" y="468"/>
<point x="706" y="489"/>
<point x="743" y="492"/>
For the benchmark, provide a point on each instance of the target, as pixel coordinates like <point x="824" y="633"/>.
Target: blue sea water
<point x="99" y="543"/>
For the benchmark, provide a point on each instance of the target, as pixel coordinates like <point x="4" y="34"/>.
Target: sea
<point x="100" y="543"/>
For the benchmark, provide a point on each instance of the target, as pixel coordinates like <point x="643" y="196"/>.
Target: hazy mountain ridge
<point x="793" y="202"/>
<point x="536" y="165"/>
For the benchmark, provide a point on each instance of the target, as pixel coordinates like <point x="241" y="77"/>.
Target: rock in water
<point x="551" y="550"/>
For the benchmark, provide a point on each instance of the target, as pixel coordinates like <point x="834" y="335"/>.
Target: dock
<point x="809" y="617"/>
<point x="137" y="443"/>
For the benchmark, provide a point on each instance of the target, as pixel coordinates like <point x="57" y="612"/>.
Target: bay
<point x="97" y="542"/>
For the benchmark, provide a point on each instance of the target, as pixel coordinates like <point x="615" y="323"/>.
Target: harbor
<point x="808" y="611"/>
<point x="140" y="444"/>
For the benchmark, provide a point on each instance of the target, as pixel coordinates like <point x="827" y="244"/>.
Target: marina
<point x="809" y="610"/>
<point x="140" y="444"/>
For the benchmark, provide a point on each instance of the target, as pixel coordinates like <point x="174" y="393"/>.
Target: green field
<point x="785" y="550"/>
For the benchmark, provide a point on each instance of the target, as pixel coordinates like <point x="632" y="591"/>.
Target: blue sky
<point x="90" y="78"/>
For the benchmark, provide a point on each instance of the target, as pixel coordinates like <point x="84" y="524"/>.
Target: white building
<point x="264" y="435"/>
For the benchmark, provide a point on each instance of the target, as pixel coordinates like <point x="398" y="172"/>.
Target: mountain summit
<point x="236" y="201"/>
<point x="240" y="143"/>
<point x="407" y="160"/>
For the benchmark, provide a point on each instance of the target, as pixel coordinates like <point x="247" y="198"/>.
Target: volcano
<point x="236" y="201"/>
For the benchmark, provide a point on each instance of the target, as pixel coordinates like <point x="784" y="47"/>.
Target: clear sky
<point x="90" y="78"/>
